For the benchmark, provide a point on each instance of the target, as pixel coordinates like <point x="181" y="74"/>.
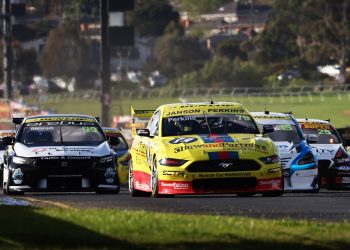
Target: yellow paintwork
<point x="7" y="133"/>
<point x="147" y="150"/>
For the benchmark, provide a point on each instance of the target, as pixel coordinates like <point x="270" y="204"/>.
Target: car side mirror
<point x="143" y="132"/>
<point x="113" y="141"/>
<point x="311" y="138"/>
<point x="9" y="140"/>
<point x="268" y="129"/>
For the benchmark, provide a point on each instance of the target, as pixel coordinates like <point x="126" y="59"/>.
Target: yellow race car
<point x="199" y="148"/>
<point x="121" y="153"/>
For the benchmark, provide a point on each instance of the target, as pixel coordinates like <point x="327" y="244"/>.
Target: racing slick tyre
<point x="273" y="193"/>
<point x="134" y="192"/>
<point x="6" y="188"/>
<point x="110" y="191"/>
<point x="154" y="183"/>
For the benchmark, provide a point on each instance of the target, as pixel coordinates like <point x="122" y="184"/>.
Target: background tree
<point x="202" y="6"/>
<point x="231" y="50"/>
<point x="222" y="72"/>
<point x="64" y="54"/>
<point x="151" y="17"/>
<point x="177" y="55"/>
<point x="326" y="32"/>
<point x="278" y="41"/>
<point x="25" y="65"/>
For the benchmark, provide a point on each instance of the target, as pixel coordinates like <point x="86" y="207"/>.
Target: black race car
<point x="59" y="153"/>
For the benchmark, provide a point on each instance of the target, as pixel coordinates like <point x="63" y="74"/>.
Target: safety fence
<point x="294" y="94"/>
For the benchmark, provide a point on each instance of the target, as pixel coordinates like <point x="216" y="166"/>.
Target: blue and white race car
<point x="299" y="163"/>
<point x="333" y="159"/>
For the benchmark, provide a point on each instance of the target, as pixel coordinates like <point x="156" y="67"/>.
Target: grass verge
<point x="334" y="106"/>
<point x="55" y="228"/>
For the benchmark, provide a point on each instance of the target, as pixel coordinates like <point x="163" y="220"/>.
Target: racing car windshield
<point x="39" y="134"/>
<point x="209" y="124"/>
<point x="285" y="132"/>
<point x="326" y="134"/>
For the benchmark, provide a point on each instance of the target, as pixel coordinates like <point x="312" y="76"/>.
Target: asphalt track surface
<point x="325" y="205"/>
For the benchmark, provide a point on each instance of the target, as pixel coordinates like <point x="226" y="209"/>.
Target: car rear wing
<point x="139" y="118"/>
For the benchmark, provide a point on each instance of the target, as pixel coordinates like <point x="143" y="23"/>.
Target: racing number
<point x="89" y="129"/>
<point x="323" y="132"/>
<point x="285" y="127"/>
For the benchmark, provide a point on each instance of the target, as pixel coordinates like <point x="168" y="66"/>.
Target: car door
<point x="144" y="145"/>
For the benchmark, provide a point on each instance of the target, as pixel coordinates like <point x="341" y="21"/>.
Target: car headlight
<point x="22" y="160"/>
<point x="106" y="159"/>
<point x="171" y="162"/>
<point x="272" y="159"/>
<point x="307" y="159"/>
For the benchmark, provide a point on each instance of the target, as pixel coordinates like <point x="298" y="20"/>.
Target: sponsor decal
<point x="343" y="180"/>
<point x="65" y="158"/>
<point x="343" y="168"/>
<point x="173" y="173"/>
<point x="270" y="182"/>
<point x="46" y="128"/>
<point x="271" y="117"/>
<point x="39" y="150"/>
<point x="183" y="112"/>
<point x="72" y="123"/>
<point x="110" y="175"/>
<point x="181" y="118"/>
<point x="17" y="176"/>
<point x="217" y="138"/>
<point x="222" y="155"/>
<point x="183" y="140"/>
<point x="227" y="145"/>
<point x="187" y="110"/>
<point x="50" y="119"/>
<point x="175" y="185"/>
<point x="142" y="186"/>
<point x="71" y="149"/>
<point x="216" y="175"/>
<point x="323" y="150"/>
<point x="64" y="175"/>
<point x="316" y="126"/>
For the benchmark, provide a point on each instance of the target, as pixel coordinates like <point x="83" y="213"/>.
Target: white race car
<point x="298" y="161"/>
<point x="59" y="153"/>
<point x="333" y="159"/>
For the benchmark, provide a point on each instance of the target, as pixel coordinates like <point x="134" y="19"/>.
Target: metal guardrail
<point x="188" y="93"/>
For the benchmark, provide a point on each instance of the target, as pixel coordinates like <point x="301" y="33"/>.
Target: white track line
<point x="7" y="201"/>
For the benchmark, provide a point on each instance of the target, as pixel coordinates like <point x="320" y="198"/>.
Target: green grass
<point x="30" y="228"/>
<point x="323" y="106"/>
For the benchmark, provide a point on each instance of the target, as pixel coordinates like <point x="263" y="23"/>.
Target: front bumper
<point x="184" y="180"/>
<point x="62" y="175"/>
